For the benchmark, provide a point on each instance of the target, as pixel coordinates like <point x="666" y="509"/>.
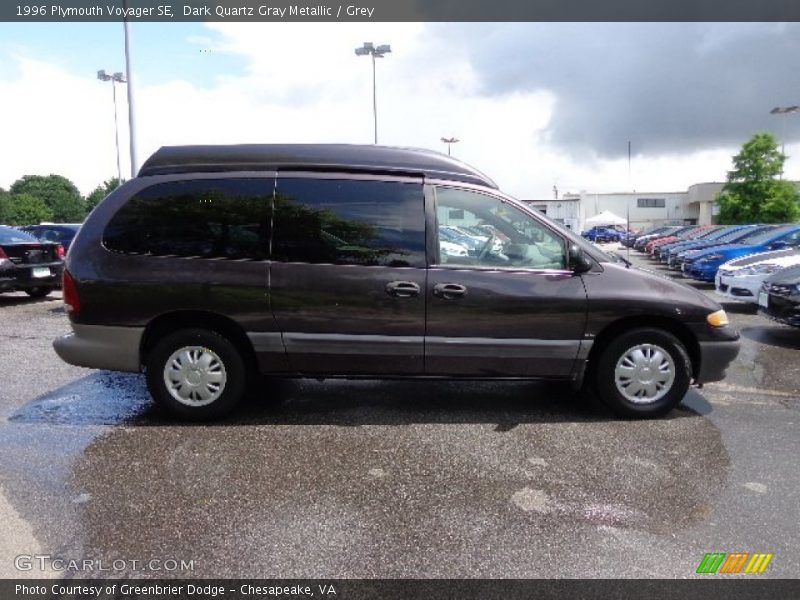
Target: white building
<point x="643" y="209"/>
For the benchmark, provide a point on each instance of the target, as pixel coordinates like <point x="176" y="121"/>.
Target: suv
<point x="217" y="263"/>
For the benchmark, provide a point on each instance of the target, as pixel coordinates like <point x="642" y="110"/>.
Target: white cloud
<point x="303" y="83"/>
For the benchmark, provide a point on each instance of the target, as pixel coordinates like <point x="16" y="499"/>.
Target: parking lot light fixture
<point x="450" y="141"/>
<point x="783" y="111"/>
<point x="375" y="52"/>
<point x="114" y="79"/>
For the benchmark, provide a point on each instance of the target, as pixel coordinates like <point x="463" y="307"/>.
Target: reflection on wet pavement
<point x="358" y="478"/>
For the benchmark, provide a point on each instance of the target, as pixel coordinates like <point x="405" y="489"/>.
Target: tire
<point x="643" y="373"/>
<point x="38" y="292"/>
<point x="195" y="374"/>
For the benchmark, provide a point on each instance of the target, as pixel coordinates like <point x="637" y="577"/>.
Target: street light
<point x="376" y="52"/>
<point x="784" y="110"/>
<point x="449" y="142"/>
<point x="114" y="79"/>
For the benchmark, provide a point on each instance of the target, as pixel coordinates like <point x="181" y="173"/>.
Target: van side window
<point x="479" y="230"/>
<point x="349" y="222"/>
<point x="203" y="218"/>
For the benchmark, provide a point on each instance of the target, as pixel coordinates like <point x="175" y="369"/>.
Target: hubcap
<point x="644" y="373"/>
<point x="195" y="376"/>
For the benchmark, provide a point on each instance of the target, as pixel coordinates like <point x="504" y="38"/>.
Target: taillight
<point x="70" y="290"/>
<point x="3" y="257"/>
<point x="60" y="251"/>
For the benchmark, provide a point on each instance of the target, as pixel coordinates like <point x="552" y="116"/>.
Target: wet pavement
<point x="396" y="479"/>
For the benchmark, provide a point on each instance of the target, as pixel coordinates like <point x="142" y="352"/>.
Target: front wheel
<point x="643" y="373"/>
<point x="196" y="374"/>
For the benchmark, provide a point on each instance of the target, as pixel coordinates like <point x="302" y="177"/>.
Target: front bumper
<point x="739" y="289"/>
<point x="783" y="310"/>
<point x="715" y="357"/>
<point x="701" y="272"/>
<point x="101" y="347"/>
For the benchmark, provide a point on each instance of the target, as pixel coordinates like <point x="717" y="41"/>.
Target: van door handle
<point x="449" y="291"/>
<point x="402" y="289"/>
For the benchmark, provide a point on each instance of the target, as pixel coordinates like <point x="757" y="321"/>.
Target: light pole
<point x="375" y="52"/>
<point x="114" y="79"/>
<point x="450" y="141"/>
<point x="131" y="105"/>
<point x="783" y="111"/>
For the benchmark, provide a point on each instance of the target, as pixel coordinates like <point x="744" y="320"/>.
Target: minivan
<point x="219" y="264"/>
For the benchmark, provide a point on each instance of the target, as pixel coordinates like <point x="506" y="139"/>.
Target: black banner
<point x="715" y="587"/>
<point x="399" y="10"/>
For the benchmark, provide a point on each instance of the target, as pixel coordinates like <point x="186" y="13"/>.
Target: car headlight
<point x="718" y="319"/>
<point x="765" y="269"/>
<point x="712" y="257"/>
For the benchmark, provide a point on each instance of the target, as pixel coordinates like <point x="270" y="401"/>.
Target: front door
<point x="501" y="301"/>
<point x="347" y="281"/>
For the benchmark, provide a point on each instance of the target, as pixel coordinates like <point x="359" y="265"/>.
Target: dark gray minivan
<point x="217" y="263"/>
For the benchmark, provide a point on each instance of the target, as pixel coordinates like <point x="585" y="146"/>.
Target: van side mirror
<point x="578" y="261"/>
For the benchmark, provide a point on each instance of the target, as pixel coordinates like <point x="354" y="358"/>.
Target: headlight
<point x="765" y="269"/>
<point x="717" y="319"/>
<point x="712" y="257"/>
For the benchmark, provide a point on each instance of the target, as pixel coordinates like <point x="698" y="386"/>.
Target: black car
<point x="219" y="262"/>
<point x="779" y="298"/>
<point x="28" y="265"/>
<point x="60" y="233"/>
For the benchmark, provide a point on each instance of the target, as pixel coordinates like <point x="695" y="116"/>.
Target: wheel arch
<point x="173" y="321"/>
<point x="676" y="328"/>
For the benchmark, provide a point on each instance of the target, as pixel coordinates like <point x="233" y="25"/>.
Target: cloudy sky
<point x="534" y="104"/>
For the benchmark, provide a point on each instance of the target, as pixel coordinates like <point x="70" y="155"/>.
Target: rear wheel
<point x="38" y="292"/>
<point x="643" y="373"/>
<point x="196" y="374"/>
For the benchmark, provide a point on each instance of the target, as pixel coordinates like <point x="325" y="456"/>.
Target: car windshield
<point x="9" y="235"/>
<point x="748" y="234"/>
<point x="766" y="236"/>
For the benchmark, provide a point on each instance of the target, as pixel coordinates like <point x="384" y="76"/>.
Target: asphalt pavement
<point x="370" y="479"/>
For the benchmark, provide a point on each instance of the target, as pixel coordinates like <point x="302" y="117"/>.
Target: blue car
<point x="734" y="234"/>
<point x="703" y="264"/>
<point x="60" y="233"/>
<point x="602" y="234"/>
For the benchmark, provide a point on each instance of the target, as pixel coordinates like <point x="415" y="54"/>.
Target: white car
<point x="452" y="249"/>
<point x="742" y="281"/>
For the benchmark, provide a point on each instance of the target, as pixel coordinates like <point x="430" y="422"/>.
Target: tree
<point x="22" y="209"/>
<point x="100" y="192"/>
<point x="753" y="192"/>
<point x="58" y="193"/>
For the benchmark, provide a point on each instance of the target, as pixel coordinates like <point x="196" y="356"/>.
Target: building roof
<point x="311" y="157"/>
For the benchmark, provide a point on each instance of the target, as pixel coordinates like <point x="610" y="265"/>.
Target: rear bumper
<point x="101" y="347"/>
<point x="715" y="357"/>
<point x="21" y="277"/>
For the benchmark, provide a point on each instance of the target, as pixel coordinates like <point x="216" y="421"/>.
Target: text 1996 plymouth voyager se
<point x="217" y="263"/>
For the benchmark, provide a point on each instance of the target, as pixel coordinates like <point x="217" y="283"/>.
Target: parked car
<point x="743" y="283"/>
<point x="710" y="237"/>
<point x="702" y="233"/>
<point x="601" y="234"/>
<point x="217" y="263"/>
<point x="639" y="241"/>
<point x="28" y="265"/>
<point x="59" y="233"/>
<point x="736" y="235"/>
<point x="703" y="264"/>
<point x="680" y="233"/>
<point x="779" y="298"/>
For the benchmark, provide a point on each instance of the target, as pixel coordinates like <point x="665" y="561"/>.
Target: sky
<point x="534" y="105"/>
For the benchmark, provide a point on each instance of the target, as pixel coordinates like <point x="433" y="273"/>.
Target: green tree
<point x="100" y="192"/>
<point x="57" y="192"/>
<point x="753" y="193"/>
<point x="22" y="209"/>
